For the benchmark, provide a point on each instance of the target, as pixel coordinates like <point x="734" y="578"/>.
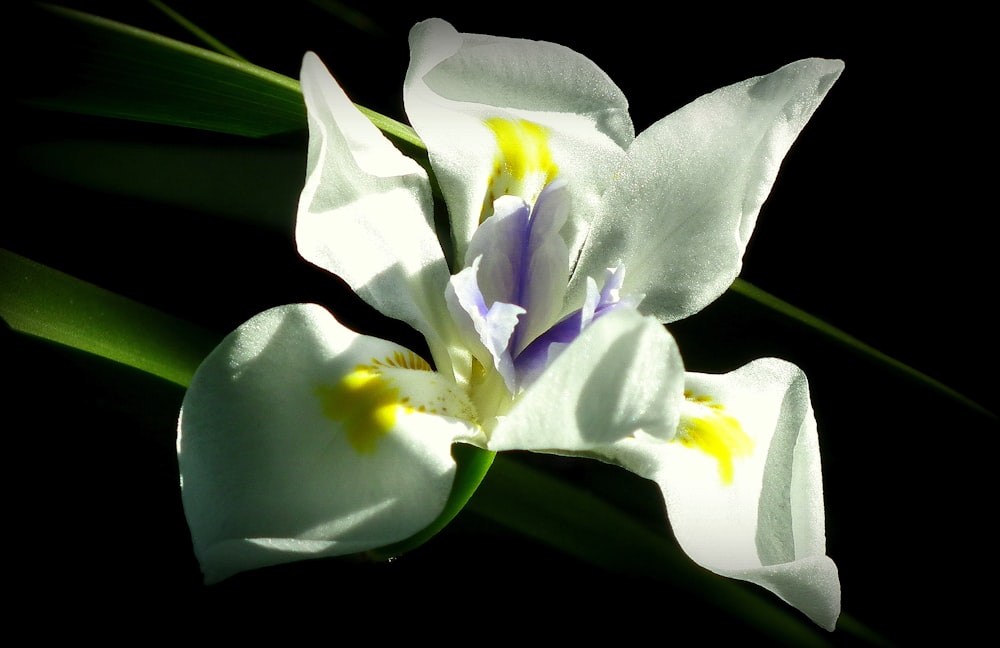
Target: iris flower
<point x="573" y="242"/>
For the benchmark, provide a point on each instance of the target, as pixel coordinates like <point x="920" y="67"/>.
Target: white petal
<point x="767" y="524"/>
<point x="623" y="375"/>
<point x="486" y="330"/>
<point x="283" y="457"/>
<point x="457" y="81"/>
<point x="365" y="213"/>
<point x="687" y="197"/>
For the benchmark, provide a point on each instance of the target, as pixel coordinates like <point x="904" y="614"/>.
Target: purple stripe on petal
<point x="524" y="258"/>
<point x="513" y="288"/>
<point x="545" y="272"/>
<point x="536" y="356"/>
<point x="499" y="243"/>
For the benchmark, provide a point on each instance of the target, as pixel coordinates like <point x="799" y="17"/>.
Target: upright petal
<point x="743" y="486"/>
<point x="623" y="375"/>
<point x="299" y="439"/>
<point x="366" y="215"/>
<point x="687" y="196"/>
<point x="459" y="84"/>
<point x="524" y="259"/>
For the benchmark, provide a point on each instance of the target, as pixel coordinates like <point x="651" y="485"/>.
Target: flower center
<point x="508" y="300"/>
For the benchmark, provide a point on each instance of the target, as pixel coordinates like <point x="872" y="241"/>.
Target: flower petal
<point x="688" y="194"/>
<point x="296" y="441"/>
<point x="533" y="359"/>
<point x="621" y="376"/>
<point x="366" y="214"/>
<point x="525" y="260"/>
<point x="485" y="330"/>
<point x="457" y="83"/>
<point x="748" y="507"/>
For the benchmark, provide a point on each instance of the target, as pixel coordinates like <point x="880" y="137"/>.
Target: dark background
<point x="879" y="223"/>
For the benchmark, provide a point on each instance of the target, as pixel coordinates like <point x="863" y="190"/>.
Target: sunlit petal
<point x="623" y="374"/>
<point x="572" y="114"/>
<point x="284" y="428"/>
<point x="686" y="198"/>
<point x="366" y="215"/>
<point x="743" y="486"/>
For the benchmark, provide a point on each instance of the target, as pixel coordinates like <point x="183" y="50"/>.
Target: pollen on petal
<point x="706" y="427"/>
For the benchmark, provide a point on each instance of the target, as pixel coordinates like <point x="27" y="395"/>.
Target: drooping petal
<point x="487" y="106"/>
<point x="686" y="198"/>
<point x="299" y="438"/>
<point x="622" y="375"/>
<point x="743" y="485"/>
<point x="365" y="213"/>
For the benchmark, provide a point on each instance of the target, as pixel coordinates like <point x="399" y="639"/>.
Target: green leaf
<point x="105" y="68"/>
<point x="197" y="31"/>
<point x="555" y="513"/>
<point x="842" y="338"/>
<point x="49" y="304"/>
<point x="246" y="180"/>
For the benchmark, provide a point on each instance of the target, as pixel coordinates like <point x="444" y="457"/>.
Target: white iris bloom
<point x="300" y="438"/>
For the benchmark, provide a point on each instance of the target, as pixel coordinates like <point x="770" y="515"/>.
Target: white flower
<point x="574" y="240"/>
<point x="742" y="483"/>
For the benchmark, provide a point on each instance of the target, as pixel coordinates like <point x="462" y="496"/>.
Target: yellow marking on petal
<point x="403" y="360"/>
<point x="524" y="148"/>
<point x="365" y="403"/>
<point x="706" y="427"/>
<point x="524" y="163"/>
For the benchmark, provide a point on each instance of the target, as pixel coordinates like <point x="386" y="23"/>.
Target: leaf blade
<point x="49" y="304"/>
<point x="110" y="69"/>
<point x="823" y="328"/>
